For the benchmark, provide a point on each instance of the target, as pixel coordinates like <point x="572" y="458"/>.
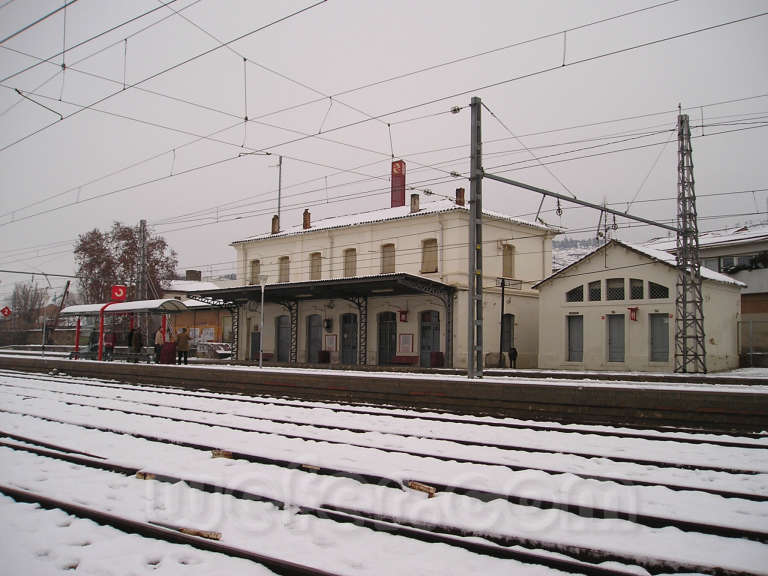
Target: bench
<point x="130" y="356"/>
<point x="84" y="355"/>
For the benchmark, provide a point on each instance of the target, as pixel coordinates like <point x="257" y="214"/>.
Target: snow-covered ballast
<point x="159" y="306"/>
<point x="356" y="290"/>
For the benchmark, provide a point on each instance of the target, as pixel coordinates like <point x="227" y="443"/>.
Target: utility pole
<point x="279" y="185"/>
<point x="475" y="272"/>
<point x="690" y="355"/>
<point x="141" y="277"/>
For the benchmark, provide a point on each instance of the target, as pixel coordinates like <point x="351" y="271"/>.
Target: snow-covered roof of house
<point x="718" y="238"/>
<point x="389" y="214"/>
<point x="190" y="286"/>
<point x="652" y="253"/>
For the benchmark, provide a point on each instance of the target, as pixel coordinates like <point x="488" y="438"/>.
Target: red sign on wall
<point x="398" y="183"/>
<point x="119" y="292"/>
<point x="5" y="311"/>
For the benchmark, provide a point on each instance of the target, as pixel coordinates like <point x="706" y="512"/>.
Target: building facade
<point x="387" y="287"/>
<point x="741" y="253"/>
<point x="615" y="309"/>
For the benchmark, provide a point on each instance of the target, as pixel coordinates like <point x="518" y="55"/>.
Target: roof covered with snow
<point x="652" y="253"/>
<point x="390" y="214"/>
<point x="718" y="238"/>
<point x="190" y="286"/>
<point x="161" y="305"/>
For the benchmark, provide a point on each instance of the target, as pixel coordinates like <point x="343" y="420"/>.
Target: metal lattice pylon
<point x="690" y="355"/>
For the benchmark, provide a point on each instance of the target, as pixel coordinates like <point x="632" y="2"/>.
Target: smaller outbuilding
<point x="614" y="309"/>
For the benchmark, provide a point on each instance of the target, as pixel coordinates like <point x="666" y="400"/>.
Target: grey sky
<point x="134" y="154"/>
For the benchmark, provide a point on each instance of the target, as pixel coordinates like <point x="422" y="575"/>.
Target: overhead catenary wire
<point x="86" y="41"/>
<point x="36" y="22"/>
<point x="83" y="59"/>
<point x="161" y="72"/>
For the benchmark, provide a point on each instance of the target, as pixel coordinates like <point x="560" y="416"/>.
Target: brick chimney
<point x="275" y="224"/>
<point x="398" y="183"/>
<point x="460" y="196"/>
<point x="306" y="219"/>
<point x="414" y="203"/>
<point x="196" y="275"/>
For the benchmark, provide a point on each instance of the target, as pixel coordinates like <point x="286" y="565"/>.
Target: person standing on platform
<point x="109" y="345"/>
<point x="182" y="346"/>
<point x="136" y="343"/>
<point x="159" y="341"/>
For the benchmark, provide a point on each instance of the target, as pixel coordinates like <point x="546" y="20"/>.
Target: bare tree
<point x="26" y="302"/>
<point x="108" y="258"/>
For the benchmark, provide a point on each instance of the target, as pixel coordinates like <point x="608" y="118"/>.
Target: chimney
<point x="306" y="219"/>
<point x="414" y="203"/>
<point x="460" y="196"/>
<point x="196" y="275"/>
<point x="275" y="224"/>
<point x="398" y="183"/>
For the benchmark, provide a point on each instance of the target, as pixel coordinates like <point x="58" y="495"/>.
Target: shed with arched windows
<point x="614" y="309"/>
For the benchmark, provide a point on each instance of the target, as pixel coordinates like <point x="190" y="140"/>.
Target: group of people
<point x="136" y="343"/>
<point x="181" y="342"/>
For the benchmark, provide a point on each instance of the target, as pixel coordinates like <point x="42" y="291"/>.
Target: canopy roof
<point x="163" y="305"/>
<point x="377" y="285"/>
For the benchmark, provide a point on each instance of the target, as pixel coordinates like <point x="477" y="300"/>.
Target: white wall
<point x="533" y="248"/>
<point x="721" y="311"/>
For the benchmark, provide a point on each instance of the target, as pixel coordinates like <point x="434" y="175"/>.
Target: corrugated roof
<point x="390" y="214"/>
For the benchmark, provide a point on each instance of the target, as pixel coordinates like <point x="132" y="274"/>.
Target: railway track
<point x="539" y="552"/>
<point x="357" y="430"/>
<point x="367" y="516"/>
<point x="734" y="407"/>
<point x="665" y="433"/>
<point x="502" y="450"/>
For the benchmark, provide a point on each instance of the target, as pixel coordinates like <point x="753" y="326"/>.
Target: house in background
<point x="742" y="253"/>
<point x="388" y="286"/>
<point x="614" y="309"/>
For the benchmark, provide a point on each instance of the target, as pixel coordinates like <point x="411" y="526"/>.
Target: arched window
<point x="284" y="268"/>
<point x="350" y="262"/>
<point x="255" y="271"/>
<point x="315" y="266"/>
<point x="388" y="259"/>
<point x="575" y="294"/>
<point x="429" y="255"/>
<point x="508" y="264"/>
<point x="657" y="291"/>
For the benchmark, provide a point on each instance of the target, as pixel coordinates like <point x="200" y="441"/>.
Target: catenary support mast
<point x="475" y="273"/>
<point x="690" y="353"/>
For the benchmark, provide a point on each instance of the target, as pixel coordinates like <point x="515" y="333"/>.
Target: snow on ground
<point x="37" y="542"/>
<point x="348" y="549"/>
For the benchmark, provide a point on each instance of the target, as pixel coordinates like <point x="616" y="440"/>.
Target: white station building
<point x="387" y="287"/>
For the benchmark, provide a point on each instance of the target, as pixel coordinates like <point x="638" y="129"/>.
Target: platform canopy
<point x="161" y="306"/>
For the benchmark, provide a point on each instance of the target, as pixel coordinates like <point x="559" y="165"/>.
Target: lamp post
<point x="262" y="284"/>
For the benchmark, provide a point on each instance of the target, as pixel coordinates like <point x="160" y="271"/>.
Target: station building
<point x="386" y="287"/>
<point x="614" y="309"/>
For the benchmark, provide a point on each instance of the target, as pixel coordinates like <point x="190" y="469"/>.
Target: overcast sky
<point x="147" y="120"/>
